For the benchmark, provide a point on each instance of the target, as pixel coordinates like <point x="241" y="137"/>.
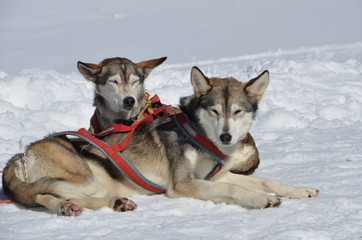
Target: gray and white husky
<point x="57" y="174"/>
<point x="119" y="89"/>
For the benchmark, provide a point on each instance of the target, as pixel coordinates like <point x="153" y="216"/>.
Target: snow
<point x="308" y="129"/>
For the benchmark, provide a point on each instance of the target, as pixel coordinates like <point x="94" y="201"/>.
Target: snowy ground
<point x="308" y="129"/>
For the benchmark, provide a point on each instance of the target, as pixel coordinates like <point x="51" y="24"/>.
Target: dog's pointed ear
<point x="89" y="70"/>
<point x="149" y="65"/>
<point x="255" y="88"/>
<point x="200" y="82"/>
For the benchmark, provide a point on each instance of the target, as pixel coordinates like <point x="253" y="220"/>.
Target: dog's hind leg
<point x="75" y="206"/>
<point x="54" y="195"/>
<point x="69" y="199"/>
<point x="118" y="204"/>
<point x="58" y="206"/>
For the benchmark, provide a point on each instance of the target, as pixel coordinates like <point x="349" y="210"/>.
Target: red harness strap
<point x="94" y="123"/>
<point x="156" y="109"/>
<point x="5" y="201"/>
<point x="147" y="117"/>
<point x="113" y="152"/>
<point x="119" y="160"/>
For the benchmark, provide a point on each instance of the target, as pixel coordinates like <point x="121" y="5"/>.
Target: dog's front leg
<point x="223" y="192"/>
<point x="266" y="186"/>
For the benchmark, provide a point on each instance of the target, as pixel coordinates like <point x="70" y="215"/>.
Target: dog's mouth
<point x="127" y="108"/>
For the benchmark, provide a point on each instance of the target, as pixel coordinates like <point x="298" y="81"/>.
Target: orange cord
<point x="5" y="201"/>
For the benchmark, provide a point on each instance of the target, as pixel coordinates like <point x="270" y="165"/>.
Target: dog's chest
<point x="201" y="163"/>
<point x="242" y="154"/>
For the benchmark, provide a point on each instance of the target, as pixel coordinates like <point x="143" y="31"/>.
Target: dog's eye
<point x="214" y="112"/>
<point x="134" y="83"/>
<point x="238" y="111"/>
<point x="113" y="81"/>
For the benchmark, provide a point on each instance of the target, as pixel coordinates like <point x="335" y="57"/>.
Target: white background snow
<point x="308" y="130"/>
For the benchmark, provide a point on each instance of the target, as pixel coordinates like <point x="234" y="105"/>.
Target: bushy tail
<point x="25" y="193"/>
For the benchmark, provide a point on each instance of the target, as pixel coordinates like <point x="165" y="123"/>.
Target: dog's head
<point x="119" y="81"/>
<point x="225" y="107"/>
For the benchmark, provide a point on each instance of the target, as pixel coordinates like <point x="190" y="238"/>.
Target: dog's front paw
<point x="302" y="193"/>
<point x="124" y="204"/>
<point x="272" y="202"/>
<point x="69" y="209"/>
<point x="264" y="201"/>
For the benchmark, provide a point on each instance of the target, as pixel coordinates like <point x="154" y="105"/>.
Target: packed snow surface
<point x="308" y="128"/>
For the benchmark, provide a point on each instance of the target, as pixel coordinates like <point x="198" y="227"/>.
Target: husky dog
<point x="119" y="89"/>
<point x="57" y="174"/>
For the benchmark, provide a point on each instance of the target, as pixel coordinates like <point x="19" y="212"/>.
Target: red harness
<point x="114" y="152"/>
<point x="154" y="104"/>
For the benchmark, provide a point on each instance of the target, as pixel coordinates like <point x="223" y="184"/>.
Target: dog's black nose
<point x="128" y="102"/>
<point x="225" y="138"/>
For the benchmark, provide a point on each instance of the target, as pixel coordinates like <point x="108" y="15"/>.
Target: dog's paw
<point x="69" y="209"/>
<point x="302" y="193"/>
<point x="124" y="204"/>
<point x="272" y="201"/>
<point x="265" y="201"/>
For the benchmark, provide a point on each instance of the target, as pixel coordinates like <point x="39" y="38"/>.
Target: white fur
<point x="240" y="155"/>
<point x="214" y="125"/>
<point x="239" y="127"/>
<point x="133" y="79"/>
<point x="115" y="91"/>
<point x="200" y="162"/>
<point x="115" y="78"/>
<point x="210" y="124"/>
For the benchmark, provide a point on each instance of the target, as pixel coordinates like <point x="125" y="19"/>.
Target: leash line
<point x="5" y="201"/>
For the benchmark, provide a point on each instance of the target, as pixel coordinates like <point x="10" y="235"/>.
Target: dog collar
<point x="153" y="106"/>
<point x="95" y="126"/>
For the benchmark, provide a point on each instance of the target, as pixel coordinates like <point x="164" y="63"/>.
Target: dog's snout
<point x="225" y="138"/>
<point x="128" y="102"/>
